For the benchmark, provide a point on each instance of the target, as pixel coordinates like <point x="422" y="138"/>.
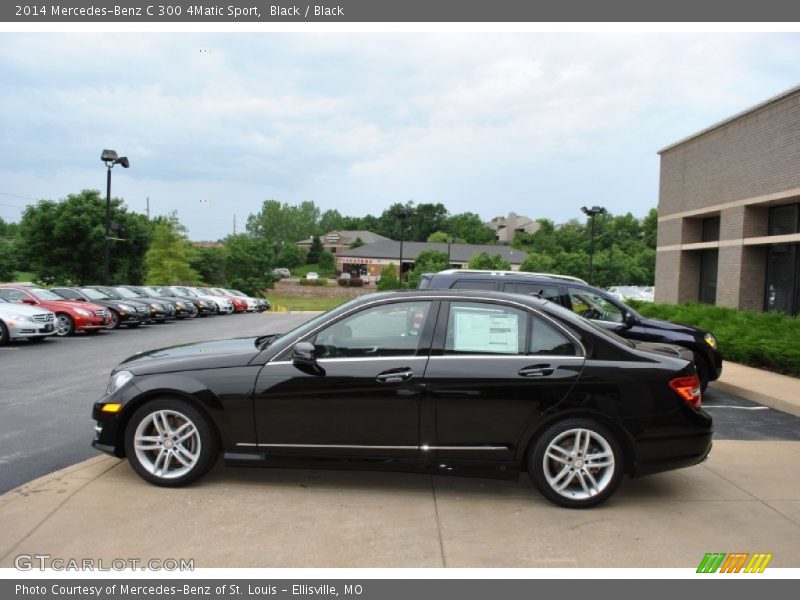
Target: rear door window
<point x="481" y="328"/>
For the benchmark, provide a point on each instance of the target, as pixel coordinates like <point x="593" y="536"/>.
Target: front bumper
<point x="26" y="329"/>
<point x="91" y="323"/>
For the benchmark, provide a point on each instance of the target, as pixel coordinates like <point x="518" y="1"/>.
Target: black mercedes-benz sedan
<point x="443" y="381"/>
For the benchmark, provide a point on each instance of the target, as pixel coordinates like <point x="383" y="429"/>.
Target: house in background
<point x="370" y="259"/>
<point x="336" y="241"/>
<point x="506" y="228"/>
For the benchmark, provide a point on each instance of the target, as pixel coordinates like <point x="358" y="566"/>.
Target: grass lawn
<point x="20" y="276"/>
<point x="316" y="303"/>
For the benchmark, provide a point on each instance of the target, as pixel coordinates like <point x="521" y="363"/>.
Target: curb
<point x="750" y="394"/>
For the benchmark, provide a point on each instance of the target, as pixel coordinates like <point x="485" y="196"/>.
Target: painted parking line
<point x="740" y="407"/>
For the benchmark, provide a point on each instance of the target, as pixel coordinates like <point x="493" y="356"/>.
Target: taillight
<point x="688" y="388"/>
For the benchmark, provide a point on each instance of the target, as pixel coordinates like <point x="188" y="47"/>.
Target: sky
<point x="214" y="124"/>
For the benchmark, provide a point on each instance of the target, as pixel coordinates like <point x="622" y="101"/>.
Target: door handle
<point x="536" y="371"/>
<point x="395" y="375"/>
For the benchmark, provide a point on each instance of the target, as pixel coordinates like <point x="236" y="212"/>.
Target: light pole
<point x="110" y="158"/>
<point x="402" y="214"/>
<point x="592" y="213"/>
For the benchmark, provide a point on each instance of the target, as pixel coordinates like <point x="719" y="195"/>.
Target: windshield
<point x="237" y="293"/>
<point x="164" y="292"/>
<point x="186" y="291"/>
<point x="147" y="292"/>
<point x="94" y="294"/>
<point x="126" y="293"/>
<point x="45" y="294"/>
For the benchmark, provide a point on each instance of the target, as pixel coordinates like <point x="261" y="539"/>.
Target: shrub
<point x="762" y="340"/>
<point x="389" y="279"/>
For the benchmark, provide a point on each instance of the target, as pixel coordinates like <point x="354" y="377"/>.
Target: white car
<point x="224" y="305"/>
<point x="23" y="321"/>
<point x="312" y="276"/>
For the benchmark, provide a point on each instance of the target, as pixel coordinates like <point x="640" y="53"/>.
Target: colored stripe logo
<point x="736" y="562"/>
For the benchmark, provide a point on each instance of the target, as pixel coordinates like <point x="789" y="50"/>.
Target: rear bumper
<point x="674" y="447"/>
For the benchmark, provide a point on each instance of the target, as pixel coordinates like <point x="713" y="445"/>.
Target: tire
<point x="114" y="324"/>
<point x="548" y="471"/>
<point x="703" y="372"/>
<point x="4" y="337"/>
<point x="154" y="421"/>
<point x="65" y="326"/>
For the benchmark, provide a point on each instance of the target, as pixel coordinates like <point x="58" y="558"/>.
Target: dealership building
<point x="729" y="211"/>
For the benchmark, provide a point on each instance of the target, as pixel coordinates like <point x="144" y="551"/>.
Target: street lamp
<point x="110" y="158"/>
<point x="592" y="213"/>
<point x="402" y="214"/>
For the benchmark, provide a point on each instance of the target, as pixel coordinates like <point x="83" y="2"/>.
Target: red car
<point x="70" y="316"/>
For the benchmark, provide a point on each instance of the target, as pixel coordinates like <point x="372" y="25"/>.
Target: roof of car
<point x="520" y="275"/>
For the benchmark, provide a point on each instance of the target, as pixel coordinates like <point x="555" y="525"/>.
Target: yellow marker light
<point x="113" y="407"/>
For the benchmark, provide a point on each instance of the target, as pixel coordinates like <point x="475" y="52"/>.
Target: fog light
<point x="113" y="407"/>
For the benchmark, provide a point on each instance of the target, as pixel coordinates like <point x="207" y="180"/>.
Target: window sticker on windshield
<point x="495" y="332"/>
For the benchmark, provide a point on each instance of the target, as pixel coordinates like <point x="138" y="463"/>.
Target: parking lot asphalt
<point x="47" y="389"/>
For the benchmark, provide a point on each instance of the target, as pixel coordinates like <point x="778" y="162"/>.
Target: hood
<point x="200" y="355"/>
<point x="670" y="350"/>
<point x="689" y="330"/>
<point x="22" y="309"/>
<point x="90" y="306"/>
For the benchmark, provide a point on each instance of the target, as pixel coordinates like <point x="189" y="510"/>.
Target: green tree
<point x="488" y="262"/>
<point x="315" y="251"/>
<point x="7" y="262"/>
<point x="428" y="261"/>
<point x="650" y="228"/>
<point x="356" y="243"/>
<point x="281" y="224"/>
<point x="331" y="220"/>
<point x="169" y="257"/>
<point x="389" y="280"/>
<point x="327" y="264"/>
<point x="65" y="241"/>
<point x="469" y="228"/>
<point x="291" y="256"/>
<point x="210" y="264"/>
<point x="249" y="263"/>
<point x="440" y="237"/>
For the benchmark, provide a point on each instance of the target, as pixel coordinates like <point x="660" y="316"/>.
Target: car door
<point x="361" y="397"/>
<point x="494" y="369"/>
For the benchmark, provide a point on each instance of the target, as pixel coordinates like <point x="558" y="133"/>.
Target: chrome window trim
<point x="422" y="447"/>
<point x="449" y="298"/>
<point x="526" y="357"/>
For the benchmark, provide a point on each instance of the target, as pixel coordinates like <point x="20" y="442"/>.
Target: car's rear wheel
<point x="64" y="325"/>
<point x="170" y="443"/>
<point x="576" y="463"/>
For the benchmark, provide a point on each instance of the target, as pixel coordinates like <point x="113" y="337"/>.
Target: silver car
<point x="22" y="321"/>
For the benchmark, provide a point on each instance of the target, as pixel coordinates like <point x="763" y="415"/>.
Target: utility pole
<point x="592" y="213"/>
<point x="234" y="224"/>
<point x="148" y="208"/>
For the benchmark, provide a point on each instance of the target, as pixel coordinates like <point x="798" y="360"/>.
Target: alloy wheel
<point x="64" y="325"/>
<point x="167" y="444"/>
<point x="579" y="464"/>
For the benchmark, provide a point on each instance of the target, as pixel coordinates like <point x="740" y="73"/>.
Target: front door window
<point x="591" y="305"/>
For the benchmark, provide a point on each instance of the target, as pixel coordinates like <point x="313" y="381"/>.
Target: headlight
<point x="156" y="306"/>
<point x="19" y="317"/>
<point x="180" y="304"/>
<point x="83" y="312"/>
<point x="117" y="380"/>
<point x="127" y="308"/>
<point x="711" y="340"/>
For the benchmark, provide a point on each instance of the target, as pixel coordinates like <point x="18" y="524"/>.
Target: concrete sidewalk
<point x="745" y="498"/>
<point x="770" y="389"/>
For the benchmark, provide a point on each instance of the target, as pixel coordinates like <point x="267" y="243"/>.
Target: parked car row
<point x="643" y="293"/>
<point x="36" y="313"/>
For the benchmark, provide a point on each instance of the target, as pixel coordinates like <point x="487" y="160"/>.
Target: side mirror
<point x="304" y="353"/>
<point x="629" y="320"/>
<point x="28" y="301"/>
<point x="304" y="357"/>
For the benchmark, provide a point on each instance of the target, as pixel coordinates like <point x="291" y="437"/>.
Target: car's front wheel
<point x="170" y="443"/>
<point x="113" y="319"/>
<point x="64" y="325"/>
<point x="4" y="337"/>
<point x="576" y="463"/>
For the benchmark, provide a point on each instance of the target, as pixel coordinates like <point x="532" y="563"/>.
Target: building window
<point x="783" y="220"/>
<point x="711" y="229"/>
<point x="783" y="279"/>
<point x="709" y="261"/>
